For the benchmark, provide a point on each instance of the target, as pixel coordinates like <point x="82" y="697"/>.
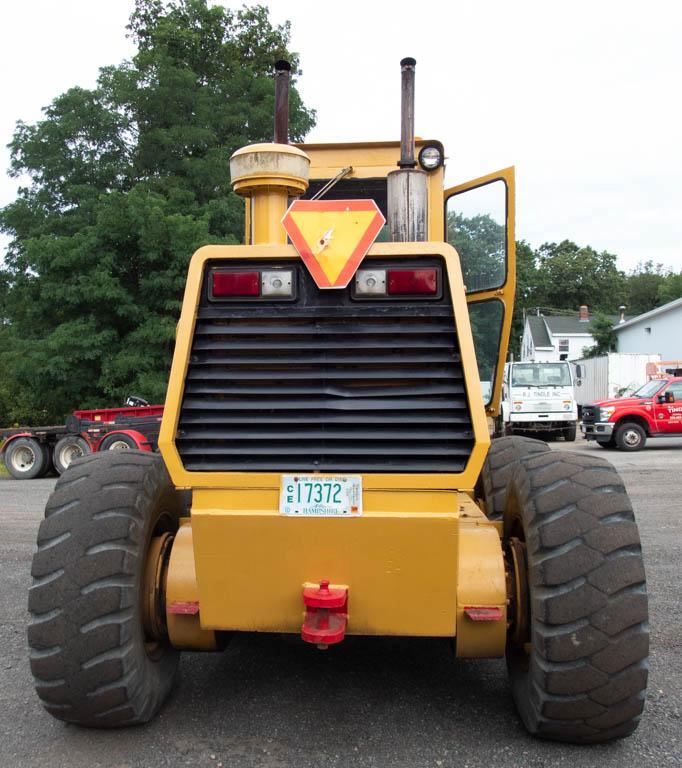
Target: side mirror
<point x="579" y="371"/>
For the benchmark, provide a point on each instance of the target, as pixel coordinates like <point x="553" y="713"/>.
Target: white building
<point x="657" y="331"/>
<point x="551" y="338"/>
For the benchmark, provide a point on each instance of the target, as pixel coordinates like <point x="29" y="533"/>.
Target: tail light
<point x="402" y="282"/>
<point x="414" y="282"/>
<point x="255" y="284"/>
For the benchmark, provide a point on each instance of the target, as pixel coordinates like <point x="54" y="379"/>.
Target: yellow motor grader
<point x="326" y="466"/>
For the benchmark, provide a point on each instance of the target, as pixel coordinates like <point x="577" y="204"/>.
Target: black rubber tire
<point x="77" y="443"/>
<point x="584" y="679"/>
<point x="570" y="433"/>
<point x="499" y="465"/>
<point x="606" y="443"/>
<point x="625" y="434"/>
<point x="48" y="465"/>
<point x="90" y="660"/>
<point x="116" y="438"/>
<point x="16" y="449"/>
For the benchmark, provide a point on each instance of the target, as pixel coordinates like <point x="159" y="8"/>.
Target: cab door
<point x="668" y="414"/>
<point x="479" y="223"/>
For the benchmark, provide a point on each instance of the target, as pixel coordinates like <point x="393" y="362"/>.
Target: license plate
<point x="316" y="496"/>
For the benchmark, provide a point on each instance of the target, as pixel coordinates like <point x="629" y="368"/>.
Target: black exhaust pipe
<point x="282" y="70"/>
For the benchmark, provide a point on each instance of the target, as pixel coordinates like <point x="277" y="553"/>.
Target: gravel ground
<point x="271" y="701"/>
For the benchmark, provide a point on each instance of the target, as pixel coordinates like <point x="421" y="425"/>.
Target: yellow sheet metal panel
<point x="465" y="480"/>
<point x="400" y="570"/>
<point x="480" y="582"/>
<point x="184" y="630"/>
<point x="267" y="500"/>
<point x="376" y="160"/>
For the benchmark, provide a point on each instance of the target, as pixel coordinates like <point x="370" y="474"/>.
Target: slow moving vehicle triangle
<point x="332" y="236"/>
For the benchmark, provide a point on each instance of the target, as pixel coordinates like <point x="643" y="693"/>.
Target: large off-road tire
<point x="578" y="649"/>
<point x="500" y="463"/>
<point x="27" y="458"/>
<point x="92" y="661"/>
<point x="68" y="449"/>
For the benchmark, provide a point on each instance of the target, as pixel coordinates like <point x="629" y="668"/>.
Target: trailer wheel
<point x="503" y="456"/>
<point x="98" y="650"/>
<point x="118" y="442"/>
<point x="578" y="644"/>
<point x="630" y="437"/>
<point x="26" y="458"/>
<point x="68" y="449"/>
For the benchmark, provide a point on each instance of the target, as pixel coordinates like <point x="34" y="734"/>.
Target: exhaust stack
<point x="407" y="188"/>
<point x="282" y="70"/>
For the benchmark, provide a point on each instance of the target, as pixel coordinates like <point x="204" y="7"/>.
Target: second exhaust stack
<point x="407" y="188"/>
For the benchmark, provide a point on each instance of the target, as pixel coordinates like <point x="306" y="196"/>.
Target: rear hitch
<point x="326" y="614"/>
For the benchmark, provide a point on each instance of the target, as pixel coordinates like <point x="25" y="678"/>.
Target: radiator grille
<point x="325" y="384"/>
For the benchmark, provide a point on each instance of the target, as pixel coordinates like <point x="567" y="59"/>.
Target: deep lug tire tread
<point x="87" y="650"/>
<point x="585" y="679"/>
<point x="503" y="456"/>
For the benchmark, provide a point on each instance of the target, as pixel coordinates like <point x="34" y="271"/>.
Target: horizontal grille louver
<point x="317" y="387"/>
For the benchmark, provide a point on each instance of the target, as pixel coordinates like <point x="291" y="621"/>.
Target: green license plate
<point x="317" y="496"/>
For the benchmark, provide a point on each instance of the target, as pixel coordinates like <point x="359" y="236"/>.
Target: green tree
<point x="644" y="285"/>
<point x="570" y="275"/>
<point x="125" y="181"/>
<point x="601" y="329"/>
<point x="670" y="289"/>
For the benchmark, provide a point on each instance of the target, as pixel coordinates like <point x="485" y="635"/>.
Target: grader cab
<point x="326" y="468"/>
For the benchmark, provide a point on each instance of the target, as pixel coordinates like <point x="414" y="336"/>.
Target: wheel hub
<point x="517" y="593"/>
<point x="23" y="458"/>
<point x="154" y="588"/>
<point x="631" y="437"/>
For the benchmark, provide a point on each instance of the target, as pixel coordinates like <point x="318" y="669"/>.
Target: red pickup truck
<point x="654" y="410"/>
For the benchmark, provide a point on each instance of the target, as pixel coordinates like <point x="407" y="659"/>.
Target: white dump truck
<point x="540" y="397"/>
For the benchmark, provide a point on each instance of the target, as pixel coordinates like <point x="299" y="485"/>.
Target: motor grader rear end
<point x="327" y="408"/>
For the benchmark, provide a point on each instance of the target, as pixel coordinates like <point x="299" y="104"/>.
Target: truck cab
<point x="654" y="410"/>
<point x="539" y="398"/>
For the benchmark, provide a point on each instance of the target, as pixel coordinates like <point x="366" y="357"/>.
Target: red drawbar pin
<point x="326" y="614"/>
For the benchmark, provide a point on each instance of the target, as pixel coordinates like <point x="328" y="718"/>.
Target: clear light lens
<point x="430" y="158"/>
<point x="278" y="282"/>
<point x="370" y="282"/>
<point x="606" y="413"/>
<point x="236" y="284"/>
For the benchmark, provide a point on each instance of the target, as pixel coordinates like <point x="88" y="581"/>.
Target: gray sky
<point x="582" y="97"/>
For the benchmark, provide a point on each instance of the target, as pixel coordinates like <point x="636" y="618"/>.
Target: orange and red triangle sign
<point x="332" y="236"/>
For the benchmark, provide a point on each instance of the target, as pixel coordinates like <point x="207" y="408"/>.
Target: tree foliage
<point x="601" y="329"/>
<point x="124" y="182"/>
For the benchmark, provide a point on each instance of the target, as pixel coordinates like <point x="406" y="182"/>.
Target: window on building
<point x="563" y="345"/>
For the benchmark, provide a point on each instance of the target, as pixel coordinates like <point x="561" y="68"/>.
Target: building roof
<point x="571" y="324"/>
<point x="538" y="331"/>
<point x="648" y="315"/>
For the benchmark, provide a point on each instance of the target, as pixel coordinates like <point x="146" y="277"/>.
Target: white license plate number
<point x="317" y="496"/>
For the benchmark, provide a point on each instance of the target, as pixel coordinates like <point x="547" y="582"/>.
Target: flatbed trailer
<point x="30" y="452"/>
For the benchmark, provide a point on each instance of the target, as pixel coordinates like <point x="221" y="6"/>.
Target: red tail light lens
<point x="235" y="284"/>
<point x="407" y="282"/>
